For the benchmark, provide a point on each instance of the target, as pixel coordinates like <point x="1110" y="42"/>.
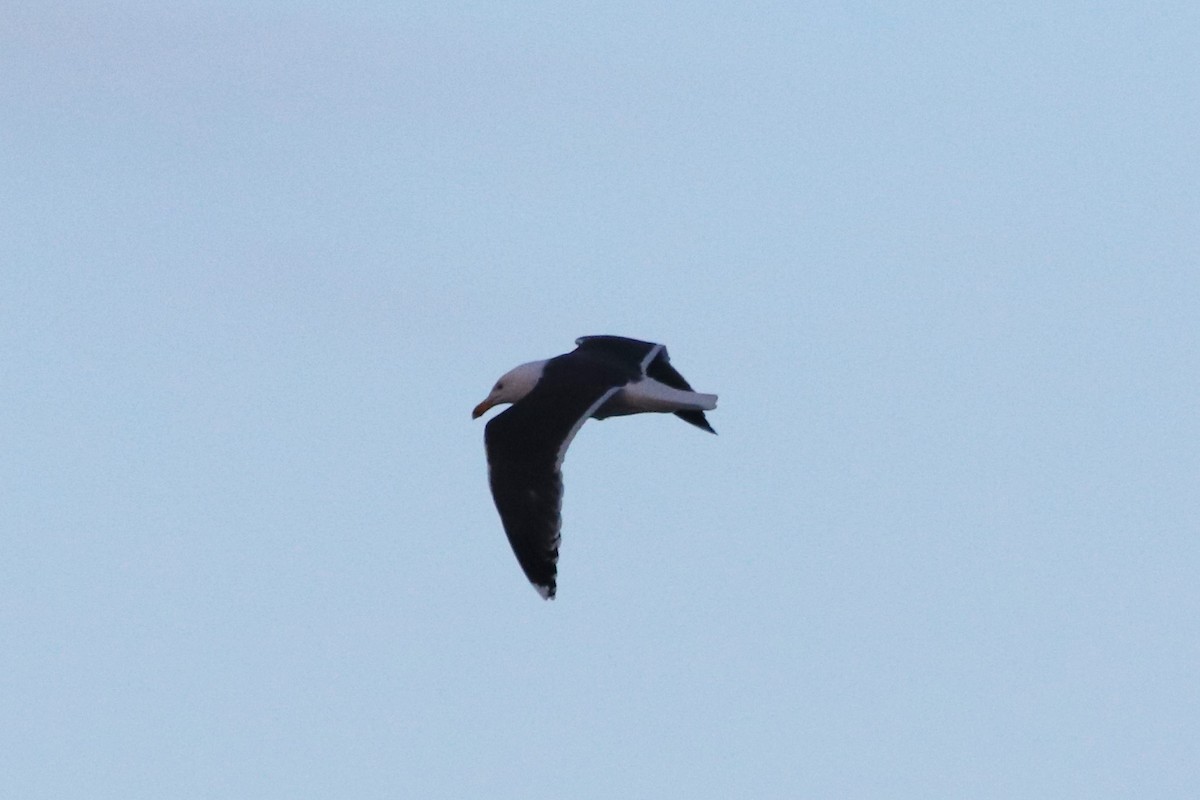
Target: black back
<point x="629" y="354"/>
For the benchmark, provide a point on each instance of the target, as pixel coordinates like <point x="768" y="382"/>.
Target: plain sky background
<point x="941" y="261"/>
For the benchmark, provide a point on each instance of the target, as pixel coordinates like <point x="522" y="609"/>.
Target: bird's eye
<point x="498" y="386"/>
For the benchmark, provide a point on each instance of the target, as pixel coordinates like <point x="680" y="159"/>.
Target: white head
<point x="512" y="386"/>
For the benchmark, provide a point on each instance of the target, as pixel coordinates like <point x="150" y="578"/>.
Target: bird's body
<point x="605" y="376"/>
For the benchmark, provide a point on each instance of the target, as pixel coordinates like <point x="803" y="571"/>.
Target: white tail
<point x="650" y="395"/>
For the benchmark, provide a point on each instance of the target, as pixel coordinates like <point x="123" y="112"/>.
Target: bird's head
<point x="512" y="386"/>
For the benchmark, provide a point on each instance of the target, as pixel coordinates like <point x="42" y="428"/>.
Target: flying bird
<point x="604" y="376"/>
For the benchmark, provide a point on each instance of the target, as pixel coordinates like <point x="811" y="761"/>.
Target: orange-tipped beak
<point x="482" y="408"/>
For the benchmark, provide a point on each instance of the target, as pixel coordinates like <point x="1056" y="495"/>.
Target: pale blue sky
<point x="939" y="260"/>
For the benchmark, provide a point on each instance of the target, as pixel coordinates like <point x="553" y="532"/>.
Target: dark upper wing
<point x="660" y="369"/>
<point x="525" y="447"/>
<point x="529" y="499"/>
<point x="616" y="352"/>
<point x="629" y="355"/>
